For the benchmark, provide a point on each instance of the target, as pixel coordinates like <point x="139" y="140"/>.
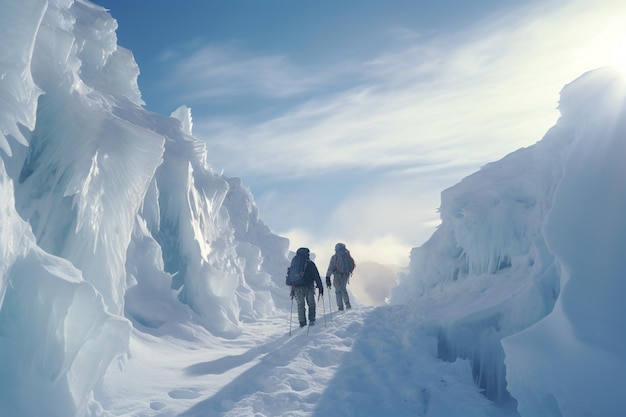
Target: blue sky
<point x="347" y="118"/>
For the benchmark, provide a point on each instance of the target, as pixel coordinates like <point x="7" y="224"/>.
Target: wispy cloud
<point x="428" y="111"/>
<point x="434" y="102"/>
<point x="217" y="71"/>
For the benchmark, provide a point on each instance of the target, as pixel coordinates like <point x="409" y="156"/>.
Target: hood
<point x="303" y="252"/>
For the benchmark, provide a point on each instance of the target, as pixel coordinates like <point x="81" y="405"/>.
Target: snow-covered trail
<point x="365" y="361"/>
<point x="288" y="375"/>
<point x="264" y="371"/>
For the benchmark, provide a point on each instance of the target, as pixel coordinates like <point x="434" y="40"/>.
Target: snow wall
<point x="110" y="216"/>
<point x="525" y="275"/>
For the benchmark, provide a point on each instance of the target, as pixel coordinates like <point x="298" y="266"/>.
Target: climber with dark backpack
<point x="341" y="266"/>
<point x="302" y="274"/>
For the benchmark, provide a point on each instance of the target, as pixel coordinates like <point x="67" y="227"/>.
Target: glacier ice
<point x="524" y="277"/>
<point x="60" y="339"/>
<point x="490" y="252"/>
<point x="582" y="342"/>
<point x="56" y="337"/>
<point x="111" y="216"/>
<point x="18" y="92"/>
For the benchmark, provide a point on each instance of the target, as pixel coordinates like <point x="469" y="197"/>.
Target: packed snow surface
<point x="136" y="281"/>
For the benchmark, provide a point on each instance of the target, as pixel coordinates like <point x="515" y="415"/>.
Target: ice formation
<point x="524" y="276"/>
<point x="111" y="215"/>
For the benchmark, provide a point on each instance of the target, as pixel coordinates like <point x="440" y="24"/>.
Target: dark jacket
<point x="311" y="274"/>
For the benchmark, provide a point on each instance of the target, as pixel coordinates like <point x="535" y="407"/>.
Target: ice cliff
<point x="525" y="275"/>
<point x="104" y="206"/>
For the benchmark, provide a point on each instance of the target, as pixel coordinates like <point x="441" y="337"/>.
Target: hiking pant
<point x="340" y="281"/>
<point x="308" y="294"/>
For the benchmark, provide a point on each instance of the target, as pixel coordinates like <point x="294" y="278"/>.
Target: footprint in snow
<point x="157" y="405"/>
<point x="298" y="384"/>
<point x="179" y="394"/>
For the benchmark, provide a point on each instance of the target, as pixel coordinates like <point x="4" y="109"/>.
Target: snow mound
<point x="533" y="241"/>
<point x="583" y="341"/>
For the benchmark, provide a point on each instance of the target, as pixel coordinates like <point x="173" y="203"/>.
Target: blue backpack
<point x="297" y="269"/>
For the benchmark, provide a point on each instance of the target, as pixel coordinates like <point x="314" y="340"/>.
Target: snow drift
<point x="525" y="275"/>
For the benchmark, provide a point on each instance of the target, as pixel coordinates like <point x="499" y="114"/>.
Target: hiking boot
<point x="302" y="324"/>
<point x="312" y="323"/>
<point x="340" y="308"/>
<point x="348" y="306"/>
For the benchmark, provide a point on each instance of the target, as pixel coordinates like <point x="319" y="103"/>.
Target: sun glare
<point x="618" y="57"/>
<point x="617" y="49"/>
<point x="608" y="46"/>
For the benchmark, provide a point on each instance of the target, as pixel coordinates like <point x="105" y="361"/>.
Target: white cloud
<point x="215" y="71"/>
<point x="378" y="262"/>
<point x="384" y="249"/>
<point x="433" y="110"/>
<point x="417" y="107"/>
<point x="471" y="96"/>
<point x="371" y="283"/>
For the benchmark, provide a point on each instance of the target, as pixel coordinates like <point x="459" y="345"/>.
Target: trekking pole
<point x="309" y="305"/>
<point x="330" y="305"/>
<point x="291" y="315"/>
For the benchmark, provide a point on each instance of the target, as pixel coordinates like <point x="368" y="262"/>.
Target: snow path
<point x="365" y="361"/>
